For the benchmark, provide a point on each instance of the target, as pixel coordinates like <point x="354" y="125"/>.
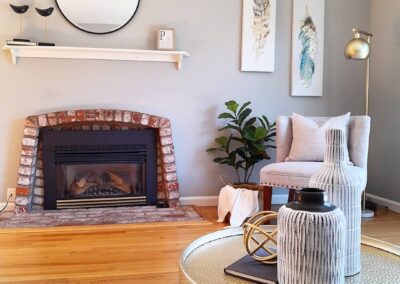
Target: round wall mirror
<point x="98" y="16"/>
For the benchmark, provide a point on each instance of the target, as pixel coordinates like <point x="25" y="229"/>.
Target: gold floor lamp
<point x="359" y="49"/>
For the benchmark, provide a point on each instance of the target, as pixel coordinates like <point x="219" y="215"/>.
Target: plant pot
<point x="249" y="186"/>
<point x="254" y="187"/>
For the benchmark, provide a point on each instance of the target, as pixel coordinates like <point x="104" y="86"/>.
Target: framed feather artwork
<point x="258" y="35"/>
<point x="308" y="48"/>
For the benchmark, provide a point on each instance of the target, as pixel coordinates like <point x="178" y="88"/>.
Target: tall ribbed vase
<point x="344" y="188"/>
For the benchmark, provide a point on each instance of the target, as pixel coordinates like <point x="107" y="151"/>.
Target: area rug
<point x="98" y="216"/>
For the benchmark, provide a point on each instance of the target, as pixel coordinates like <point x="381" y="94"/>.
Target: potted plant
<point x="247" y="142"/>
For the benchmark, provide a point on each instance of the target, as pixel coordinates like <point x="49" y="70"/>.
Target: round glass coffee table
<point x="204" y="260"/>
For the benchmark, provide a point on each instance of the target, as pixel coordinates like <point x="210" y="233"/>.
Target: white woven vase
<point x="344" y="188"/>
<point x="311" y="246"/>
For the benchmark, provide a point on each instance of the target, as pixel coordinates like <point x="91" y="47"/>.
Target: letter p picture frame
<point x="166" y="39"/>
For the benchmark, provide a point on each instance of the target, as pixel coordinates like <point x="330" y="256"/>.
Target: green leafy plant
<point x="248" y="140"/>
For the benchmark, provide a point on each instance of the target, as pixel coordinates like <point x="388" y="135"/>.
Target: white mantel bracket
<point x="62" y="52"/>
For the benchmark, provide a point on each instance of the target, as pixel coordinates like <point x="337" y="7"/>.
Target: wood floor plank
<point x="137" y="253"/>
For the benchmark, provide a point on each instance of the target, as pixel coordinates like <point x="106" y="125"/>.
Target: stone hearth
<point x="30" y="189"/>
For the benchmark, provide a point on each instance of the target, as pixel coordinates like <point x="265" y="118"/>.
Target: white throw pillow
<point x="308" y="142"/>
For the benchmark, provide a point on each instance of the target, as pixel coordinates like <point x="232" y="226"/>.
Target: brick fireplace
<point x="30" y="189"/>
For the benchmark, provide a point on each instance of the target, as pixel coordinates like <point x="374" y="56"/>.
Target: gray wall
<point x="208" y="29"/>
<point x="384" y="178"/>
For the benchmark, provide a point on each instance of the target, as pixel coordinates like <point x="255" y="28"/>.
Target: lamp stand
<point x="367" y="83"/>
<point x="359" y="48"/>
<point x="366" y="213"/>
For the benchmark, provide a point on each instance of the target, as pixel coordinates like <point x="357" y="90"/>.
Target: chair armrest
<point x="283" y="137"/>
<point x="359" y="130"/>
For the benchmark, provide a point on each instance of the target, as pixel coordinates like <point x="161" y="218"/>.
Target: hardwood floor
<point x="139" y="253"/>
<point x="384" y="226"/>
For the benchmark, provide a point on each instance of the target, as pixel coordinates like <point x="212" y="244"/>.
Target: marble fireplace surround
<point x="30" y="189"/>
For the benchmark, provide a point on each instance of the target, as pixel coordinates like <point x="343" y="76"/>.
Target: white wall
<point x="208" y="29"/>
<point x="384" y="179"/>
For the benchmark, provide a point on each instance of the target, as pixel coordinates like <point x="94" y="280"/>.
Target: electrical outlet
<point x="11" y="191"/>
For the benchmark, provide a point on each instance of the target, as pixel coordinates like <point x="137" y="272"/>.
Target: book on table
<point x="250" y="269"/>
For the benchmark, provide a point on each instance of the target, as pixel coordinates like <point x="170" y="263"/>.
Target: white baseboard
<point x="390" y="204"/>
<point x="199" y="200"/>
<point x="10" y="207"/>
<point x="213" y="200"/>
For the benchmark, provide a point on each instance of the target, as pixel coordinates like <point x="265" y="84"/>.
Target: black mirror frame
<point x="86" y="31"/>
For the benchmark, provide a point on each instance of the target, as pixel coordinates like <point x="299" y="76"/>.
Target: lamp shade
<point x="357" y="49"/>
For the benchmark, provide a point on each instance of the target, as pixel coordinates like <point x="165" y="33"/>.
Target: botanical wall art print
<point x="258" y="35"/>
<point x="308" y="47"/>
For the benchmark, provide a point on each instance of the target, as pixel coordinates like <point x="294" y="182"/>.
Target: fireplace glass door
<point x="85" y="169"/>
<point x="101" y="180"/>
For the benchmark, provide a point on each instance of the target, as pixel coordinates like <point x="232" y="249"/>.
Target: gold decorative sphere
<point x="256" y="238"/>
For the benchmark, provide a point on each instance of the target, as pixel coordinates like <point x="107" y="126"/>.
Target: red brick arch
<point x="30" y="188"/>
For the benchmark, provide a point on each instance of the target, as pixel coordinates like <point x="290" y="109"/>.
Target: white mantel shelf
<point x="62" y="52"/>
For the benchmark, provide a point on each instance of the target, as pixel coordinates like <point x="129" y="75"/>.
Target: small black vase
<point x="312" y="200"/>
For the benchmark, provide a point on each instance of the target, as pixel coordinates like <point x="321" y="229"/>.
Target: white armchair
<point x="296" y="175"/>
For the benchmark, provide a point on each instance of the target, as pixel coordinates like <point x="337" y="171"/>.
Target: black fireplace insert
<point x="84" y="169"/>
